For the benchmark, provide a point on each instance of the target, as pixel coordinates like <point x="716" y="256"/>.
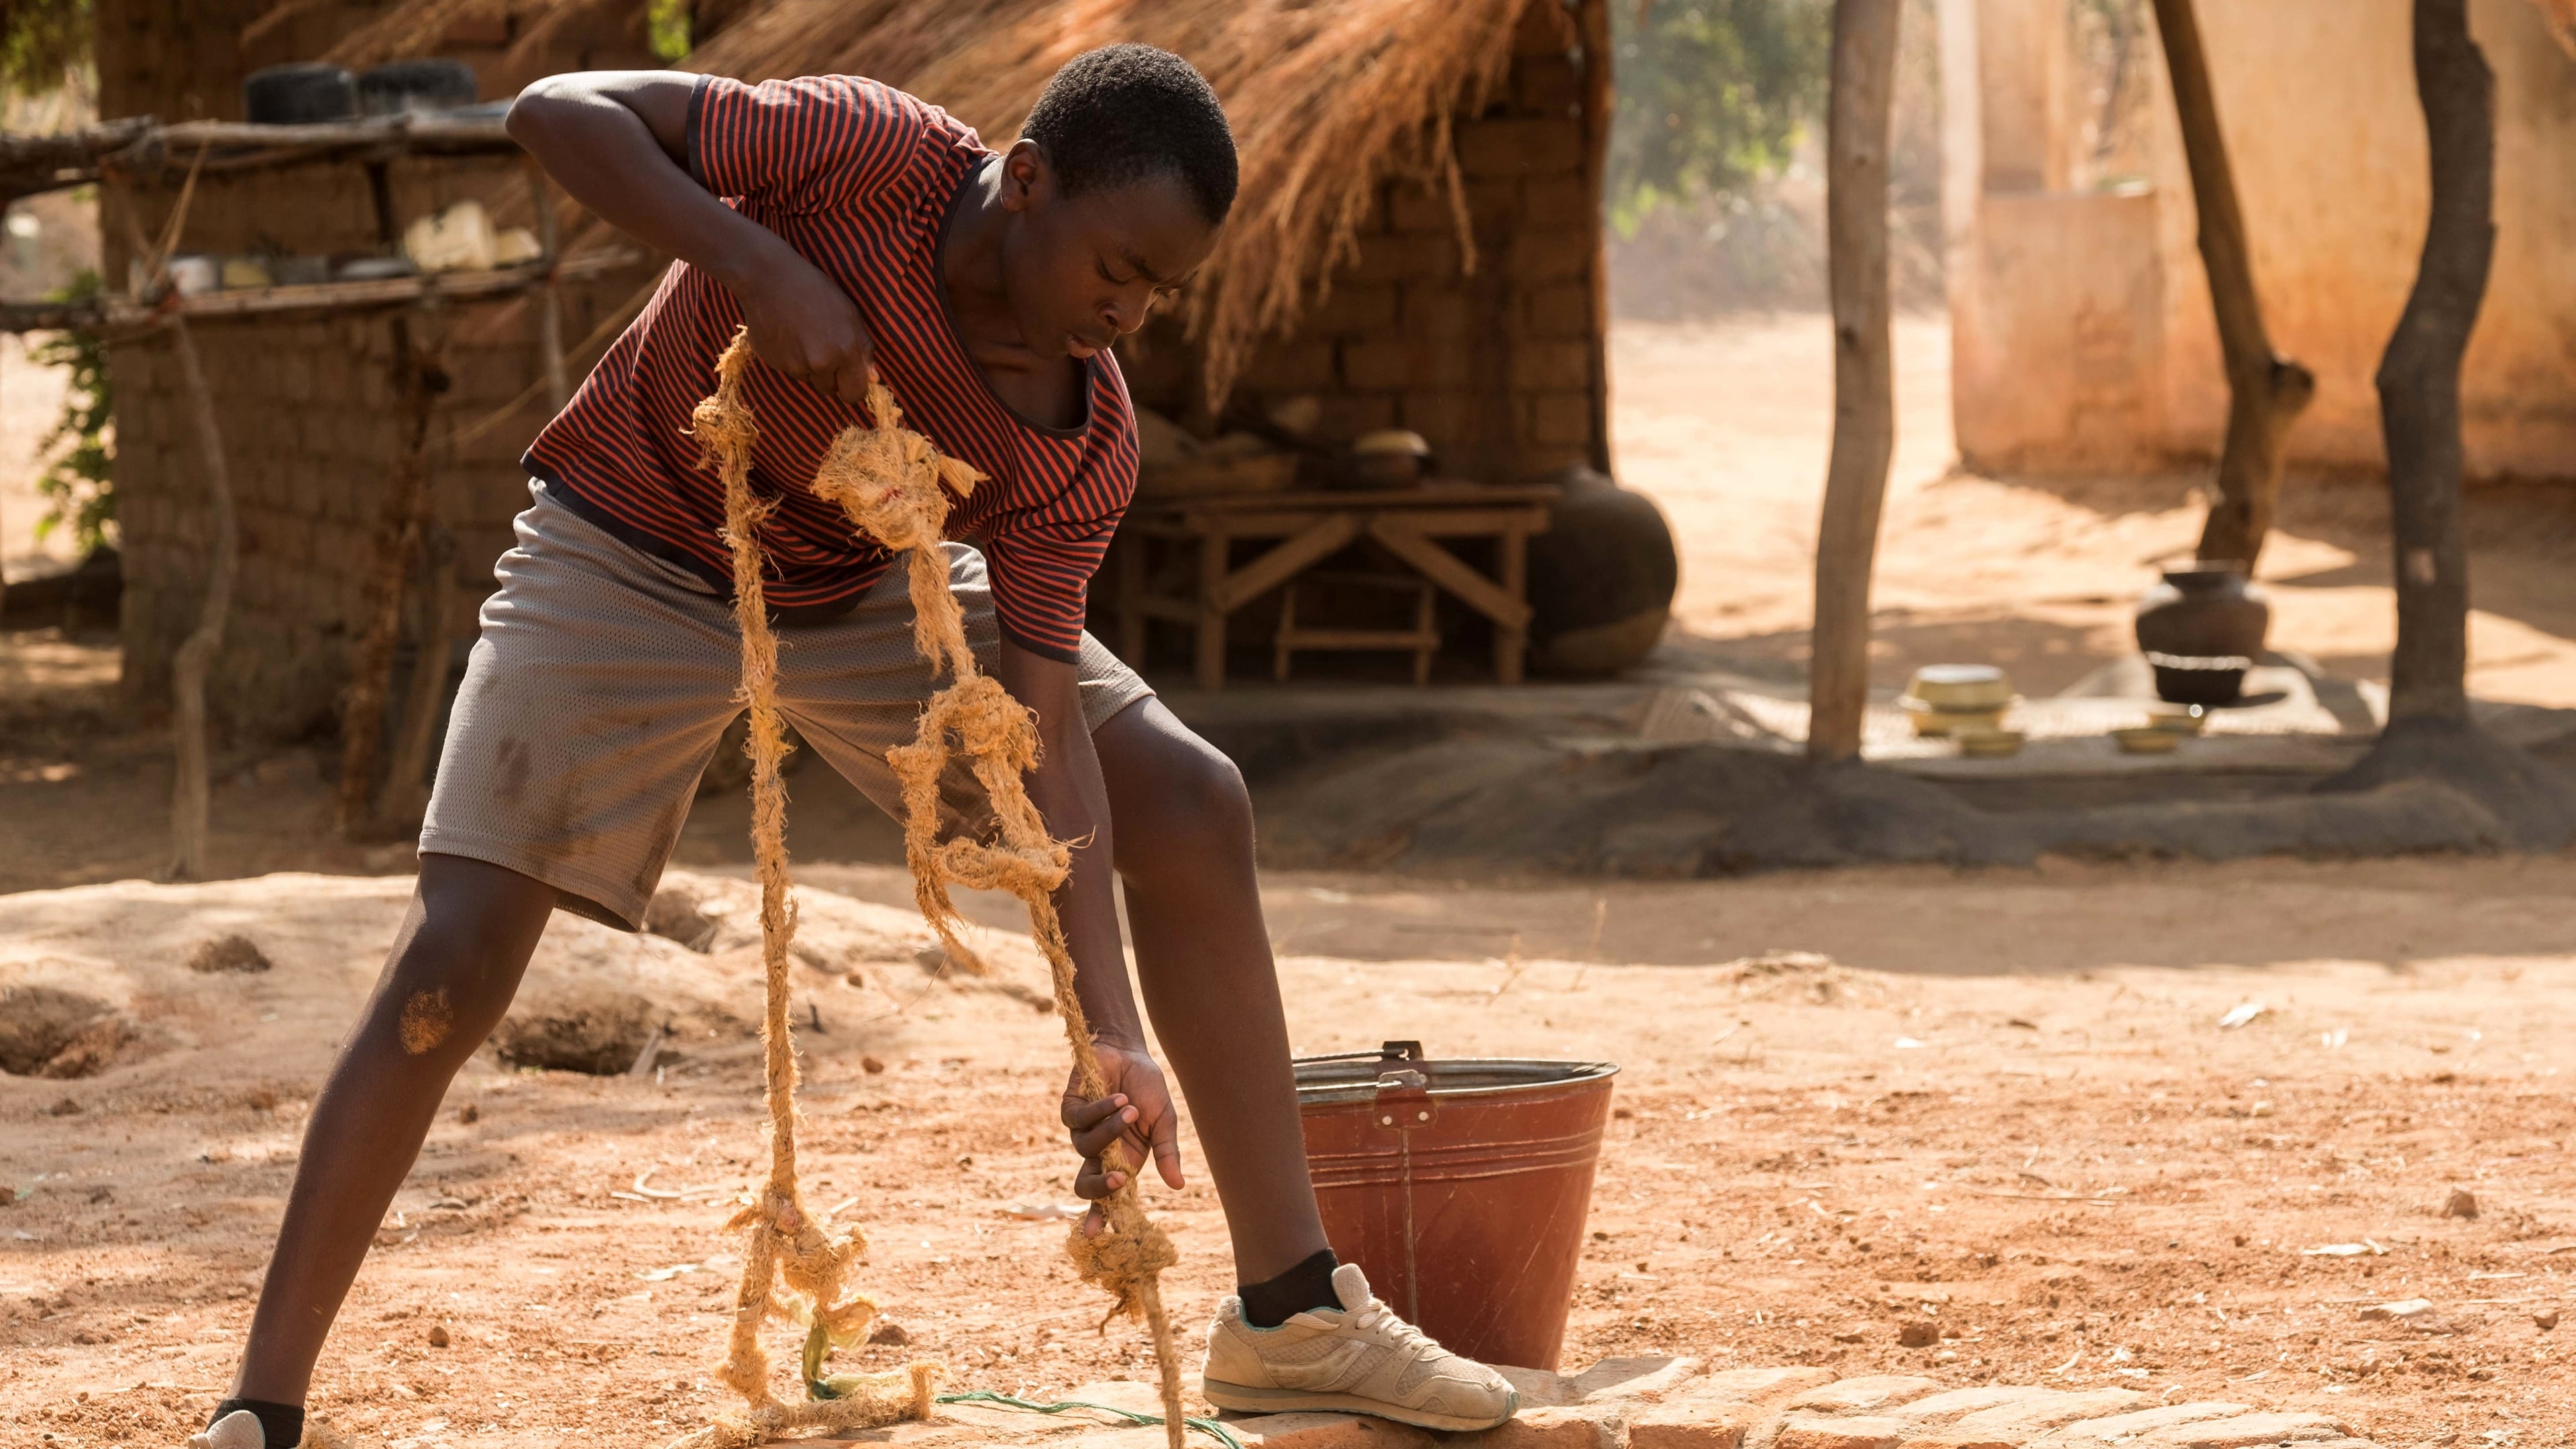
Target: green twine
<point x="1210" y="1427"/>
<point x="818" y="1342"/>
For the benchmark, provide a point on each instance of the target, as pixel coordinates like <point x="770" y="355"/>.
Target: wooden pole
<point x="1592" y="23"/>
<point x="2266" y="392"/>
<point x="400" y="526"/>
<point x="1856" y="147"/>
<point x="549" y="299"/>
<point x="190" y="779"/>
<point x="2419" y="375"/>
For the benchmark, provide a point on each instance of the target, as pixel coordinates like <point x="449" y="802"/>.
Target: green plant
<point x="41" y="40"/>
<point x="80" y="452"/>
<point x="1712" y="94"/>
<point x="667" y="22"/>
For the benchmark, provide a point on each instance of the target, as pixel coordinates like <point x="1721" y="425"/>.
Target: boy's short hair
<point x="1124" y="113"/>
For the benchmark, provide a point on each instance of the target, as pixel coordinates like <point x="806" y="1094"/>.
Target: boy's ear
<point x="1026" y="177"/>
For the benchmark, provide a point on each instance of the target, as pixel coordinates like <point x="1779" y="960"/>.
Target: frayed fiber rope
<point x="893" y="484"/>
<point x="792" y="1267"/>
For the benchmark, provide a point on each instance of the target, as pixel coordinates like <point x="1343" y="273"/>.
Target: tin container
<point x="1460" y="1187"/>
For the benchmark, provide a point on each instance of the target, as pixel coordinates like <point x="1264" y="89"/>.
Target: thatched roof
<point x="1328" y="98"/>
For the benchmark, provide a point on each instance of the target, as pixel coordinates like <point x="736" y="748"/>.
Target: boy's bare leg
<point x="1183" y="838"/>
<point x="451" y="975"/>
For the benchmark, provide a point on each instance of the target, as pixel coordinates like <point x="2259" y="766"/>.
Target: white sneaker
<point x="239" y="1429"/>
<point x="1359" y="1358"/>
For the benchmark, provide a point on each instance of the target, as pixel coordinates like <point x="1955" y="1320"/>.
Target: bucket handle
<point x="1394" y="1051"/>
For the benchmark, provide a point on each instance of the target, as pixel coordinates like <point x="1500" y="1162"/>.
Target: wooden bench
<point x="1198" y="583"/>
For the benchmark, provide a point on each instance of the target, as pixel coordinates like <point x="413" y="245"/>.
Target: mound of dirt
<point x="601" y="1033"/>
<point x="46" y="1031"/>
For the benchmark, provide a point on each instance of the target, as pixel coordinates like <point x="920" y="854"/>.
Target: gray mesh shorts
<point x="604" y="677"/>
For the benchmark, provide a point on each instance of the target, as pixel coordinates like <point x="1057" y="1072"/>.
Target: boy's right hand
<point x="803" y="325"/>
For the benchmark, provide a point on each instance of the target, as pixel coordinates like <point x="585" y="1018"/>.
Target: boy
<point x="866" y="234"/>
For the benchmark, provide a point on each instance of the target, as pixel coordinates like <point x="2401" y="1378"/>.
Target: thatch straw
<point x="1329" y="98"/>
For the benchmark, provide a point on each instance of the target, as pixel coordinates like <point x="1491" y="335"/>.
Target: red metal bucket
<point x="1459" y="1187"/>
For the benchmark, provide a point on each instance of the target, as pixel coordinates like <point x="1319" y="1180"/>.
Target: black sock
<point x="1308" y="1285"/>
<point x="282" y="1425"/>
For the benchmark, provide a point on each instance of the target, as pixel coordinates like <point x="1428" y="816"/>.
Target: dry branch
<point x="2266" y="392"/>
<point x="1856" y="147"/>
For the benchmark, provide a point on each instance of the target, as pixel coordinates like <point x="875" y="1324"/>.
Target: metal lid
<point x="1357" y="1076"/>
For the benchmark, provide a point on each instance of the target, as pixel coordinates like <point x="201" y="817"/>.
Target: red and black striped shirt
<point x="860" y="179"/>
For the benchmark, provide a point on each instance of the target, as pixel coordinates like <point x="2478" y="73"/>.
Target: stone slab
<point x="1864" y="1395"/>
<point x="2030" y="1417"/>
<point x="2141" y="1421"/>
<point x="1944" y="1408"/>
<point x="2245" y="1431"/>
<point x="1842" y="1431"/>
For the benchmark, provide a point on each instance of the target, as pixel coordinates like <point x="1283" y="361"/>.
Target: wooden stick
<point x="400" y="522"/>
<point x="2266" y="392"/>
<point x="1856" y="146"/>
<point x="189" y="780"/>
<point x="2419" y="376"/>
<point x="549" y="299"/>
<point x="405" y="793"/>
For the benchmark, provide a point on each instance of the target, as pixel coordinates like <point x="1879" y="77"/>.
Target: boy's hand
<point x="1137" y="1114"/>
<point x="803" y="325"/>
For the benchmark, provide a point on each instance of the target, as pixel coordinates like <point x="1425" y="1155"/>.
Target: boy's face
<point x="1082" y="272"/>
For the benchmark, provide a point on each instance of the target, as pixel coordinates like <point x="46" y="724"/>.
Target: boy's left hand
<point x="1137" y="1113"/>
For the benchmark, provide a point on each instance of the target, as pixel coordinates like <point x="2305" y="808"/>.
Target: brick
<point x="1562" y="417"/>
<point x="2047" y="1411"/>
<point x="1642" y="1379"/>
<point x="1291" y="367"/>
<point x="1445" y="418"/>
<point x="1414" y="207"/>
<point x="1676" y="1427"/>
<point x="1559" y="200"/>
<point x="1860" y="1395"/>
<point x="2123" y="1426"/>
<point x="1557" y="1428"/>
<point x="1351" y="308"/>
<point x="1856" y="1431"/>
<point x="1325" y="1431"/>
<point x="1548" y="83"/>
<point x="1520" y="146"/>
<point x="1404" y="258"/>
<point x="1494" y="200"/>
<point x="2246" y="1430"/>
<point x="1956" y="1439"/>
<point x="1559" y="254"/>
<point x="1392" y="365"/>
<point x="1437" y="312"/>
<point x="1550" y="366"/>
<point x="1559" y="310"/>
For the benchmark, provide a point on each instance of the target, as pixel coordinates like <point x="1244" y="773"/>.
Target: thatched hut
<point x="1417" y="246"/>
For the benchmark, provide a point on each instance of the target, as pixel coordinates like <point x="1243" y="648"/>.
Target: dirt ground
<point x="2011" y="1111"/>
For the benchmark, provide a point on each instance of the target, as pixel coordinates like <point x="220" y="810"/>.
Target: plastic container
<point x="1460" y="1187"/>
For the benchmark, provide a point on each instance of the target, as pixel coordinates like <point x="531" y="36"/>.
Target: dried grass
<point x="1329" y="99"/>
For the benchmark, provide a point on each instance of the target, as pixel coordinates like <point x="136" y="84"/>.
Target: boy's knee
<point x="1201" y="811"/>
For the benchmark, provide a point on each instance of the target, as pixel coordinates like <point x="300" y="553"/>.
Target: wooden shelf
<point x="416" y="290"/>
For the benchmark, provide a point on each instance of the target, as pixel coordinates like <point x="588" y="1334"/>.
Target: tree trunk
<point x="2419" y="376"/>
<point x="1856" y="147"/>
<point x="2266" y="392"/>
<point x="190" y="777"/>
<point x="2430" y="735"/>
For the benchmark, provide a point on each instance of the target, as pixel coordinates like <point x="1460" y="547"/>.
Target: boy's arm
<point x="1068" y="791"/>
<point x="618" y="142"/>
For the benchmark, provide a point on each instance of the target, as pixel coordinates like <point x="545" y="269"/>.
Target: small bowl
<point x="2182" y="719"/>
<point x="2148" y="740"/>
<point x="1988" y="744"/>
<point x="1934" y="721"/>
<point x="1961" y="686"/>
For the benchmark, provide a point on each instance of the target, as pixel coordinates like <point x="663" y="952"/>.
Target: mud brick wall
<point x="312" y="418"/>
<point x="1498" y="368"/>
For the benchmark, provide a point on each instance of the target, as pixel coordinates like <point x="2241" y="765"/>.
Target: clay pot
<point x="2201" y="627"/>
<point x="1601" y="579"/>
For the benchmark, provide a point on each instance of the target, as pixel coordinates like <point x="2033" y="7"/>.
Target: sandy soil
<point x="2033" y="1132"/>
<point x="2075" y="1164"/>
<point x="1726" y="425"/>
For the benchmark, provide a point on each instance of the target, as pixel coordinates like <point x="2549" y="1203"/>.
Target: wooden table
<point x="1310" y="527"/>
